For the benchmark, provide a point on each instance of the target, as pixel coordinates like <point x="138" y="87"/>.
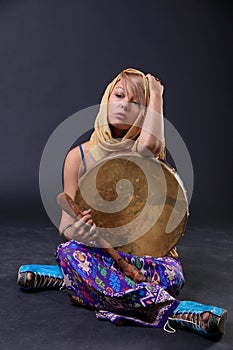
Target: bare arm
<point x="71" y="169"/>
<point x="152" y="133"/>
<point x="71" y="172"/>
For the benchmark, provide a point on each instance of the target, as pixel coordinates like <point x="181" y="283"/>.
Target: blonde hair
<point x="138" y="85"/>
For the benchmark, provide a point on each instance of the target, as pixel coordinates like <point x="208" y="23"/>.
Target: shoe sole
<point x="222" y="322"/>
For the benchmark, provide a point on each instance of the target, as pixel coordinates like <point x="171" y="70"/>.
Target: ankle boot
<point x="189" y="314"/>
<point x="45" y="277"/>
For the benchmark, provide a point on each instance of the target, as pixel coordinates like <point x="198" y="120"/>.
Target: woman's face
<point x="123" y="107"/>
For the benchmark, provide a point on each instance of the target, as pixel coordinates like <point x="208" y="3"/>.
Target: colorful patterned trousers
<point x="93" y="279"/>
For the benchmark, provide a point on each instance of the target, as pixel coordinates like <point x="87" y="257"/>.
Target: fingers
<point x="149" y="76"/>
<point x="94" y="232"/>
<point x="86" y="212"/>
<point x="90" y="233"/>
<point x="154" y="84"/>
<point x="83" y="223"/>
<point x="152" y="78"/>
<point x="85" y="230"/>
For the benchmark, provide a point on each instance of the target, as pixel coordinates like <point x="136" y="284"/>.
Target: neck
<point x="116" y="133"/>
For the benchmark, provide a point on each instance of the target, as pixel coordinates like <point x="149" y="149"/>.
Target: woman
<point x="130" y="118"/>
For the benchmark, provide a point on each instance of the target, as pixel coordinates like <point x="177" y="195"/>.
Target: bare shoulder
<point x="74" y="155"/>
<point x="71" y="169"/>
<point x="86" y="147"/>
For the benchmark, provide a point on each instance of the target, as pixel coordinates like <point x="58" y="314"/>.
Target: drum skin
<point x="138" y="203"/>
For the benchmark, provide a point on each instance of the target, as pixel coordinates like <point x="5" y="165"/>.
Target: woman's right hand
<point x="84" y="230"/>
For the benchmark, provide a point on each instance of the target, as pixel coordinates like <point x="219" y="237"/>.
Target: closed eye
<point x="118" y="95"/>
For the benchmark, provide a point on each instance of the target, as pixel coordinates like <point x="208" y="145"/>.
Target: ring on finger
<point x="86" y="227"/>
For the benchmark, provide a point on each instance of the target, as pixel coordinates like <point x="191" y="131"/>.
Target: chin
<point x="121" y="126"/>
<point x="118" y="130"/>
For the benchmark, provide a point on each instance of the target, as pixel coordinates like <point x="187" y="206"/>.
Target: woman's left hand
<point x="155" y="85"/>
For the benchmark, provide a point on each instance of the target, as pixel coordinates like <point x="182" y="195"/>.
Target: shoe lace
<point x="41" y="280"/>
<point x="167" y="327"/>
<point x="191" y="319"/>
<point x="212" y="324"/>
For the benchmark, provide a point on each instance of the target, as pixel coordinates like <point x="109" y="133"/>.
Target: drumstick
<point x="66" y="203"/>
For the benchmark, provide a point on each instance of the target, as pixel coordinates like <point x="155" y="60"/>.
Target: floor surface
<point x="47" y="320"/>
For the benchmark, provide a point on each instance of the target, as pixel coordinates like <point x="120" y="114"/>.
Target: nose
<point x="125" y="104"/>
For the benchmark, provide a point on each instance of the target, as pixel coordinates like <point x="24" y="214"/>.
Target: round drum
<point x="138" y="203"/>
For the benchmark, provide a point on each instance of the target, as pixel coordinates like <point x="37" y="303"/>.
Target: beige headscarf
<point x="101" y="142"/>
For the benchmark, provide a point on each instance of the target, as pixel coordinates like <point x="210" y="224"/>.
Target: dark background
<point x="56" y="57"/>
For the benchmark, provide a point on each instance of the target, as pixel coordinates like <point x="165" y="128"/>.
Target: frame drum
<point x="138" y="203"/>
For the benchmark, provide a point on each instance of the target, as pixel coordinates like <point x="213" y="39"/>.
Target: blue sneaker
<point x="190" y="315"/>
<point x="44" y="277"/>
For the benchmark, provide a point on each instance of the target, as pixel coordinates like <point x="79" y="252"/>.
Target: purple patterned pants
<point x="93" y="279"/>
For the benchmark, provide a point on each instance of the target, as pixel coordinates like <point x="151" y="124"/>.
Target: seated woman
<point x="130" y="118"/>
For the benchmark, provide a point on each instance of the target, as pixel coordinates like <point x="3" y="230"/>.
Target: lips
<point x="120" y="115"/>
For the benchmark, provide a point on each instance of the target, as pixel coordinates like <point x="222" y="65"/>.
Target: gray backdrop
<point x="56" y="57"/>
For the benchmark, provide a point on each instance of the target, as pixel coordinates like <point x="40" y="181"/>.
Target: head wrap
<point x="101" y="142"/>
